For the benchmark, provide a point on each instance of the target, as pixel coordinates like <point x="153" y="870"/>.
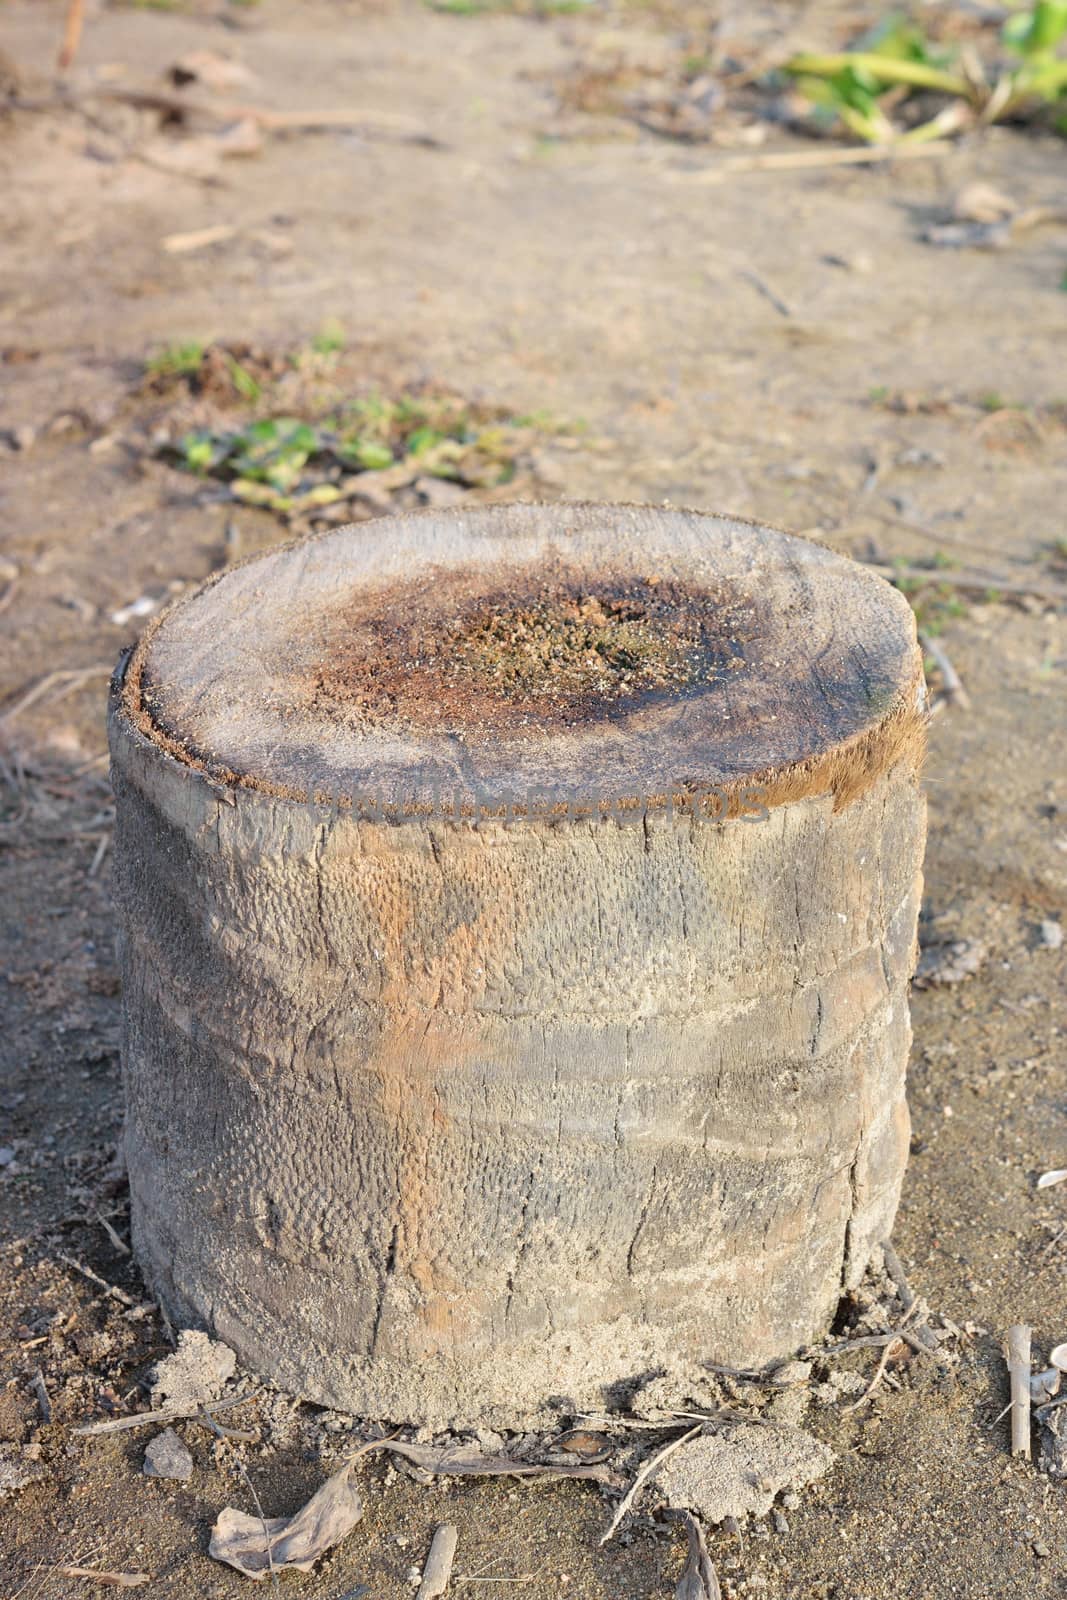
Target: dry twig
<point x="950" y="678"/>
<point x="1019" y="1372"/>
<point x="643" y="1476"/>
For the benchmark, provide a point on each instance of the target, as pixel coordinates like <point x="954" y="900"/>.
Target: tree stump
<point x="518" y="909"/>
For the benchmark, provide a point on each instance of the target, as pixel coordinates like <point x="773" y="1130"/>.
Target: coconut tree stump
<point x="518" y="910"/>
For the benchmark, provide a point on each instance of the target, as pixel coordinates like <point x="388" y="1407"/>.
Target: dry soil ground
<point x="778" y="344"/>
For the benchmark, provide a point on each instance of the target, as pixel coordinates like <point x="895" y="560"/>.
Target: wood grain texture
<point x="437" y="1119"/>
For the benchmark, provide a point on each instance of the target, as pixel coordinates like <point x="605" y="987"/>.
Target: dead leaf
<point x="698" y="1581"/>
<point x="582" y="1442"/>
<point x="256" y="1546"/>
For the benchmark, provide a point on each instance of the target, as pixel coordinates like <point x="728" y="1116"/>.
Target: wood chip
<point x="1018" y="1357"/>
<point x="438" y="1569"/>
<point x="183" y="244"/>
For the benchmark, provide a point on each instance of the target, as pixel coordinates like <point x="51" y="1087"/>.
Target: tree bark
<point x="446" y="1117"/>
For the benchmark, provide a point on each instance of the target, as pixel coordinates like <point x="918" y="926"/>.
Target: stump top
<point x="618" y="653"/>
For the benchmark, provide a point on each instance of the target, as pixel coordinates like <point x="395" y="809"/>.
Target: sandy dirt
<point x="780" y="345"/>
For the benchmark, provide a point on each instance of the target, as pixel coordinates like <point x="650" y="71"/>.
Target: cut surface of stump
<point x="518" y="909"/>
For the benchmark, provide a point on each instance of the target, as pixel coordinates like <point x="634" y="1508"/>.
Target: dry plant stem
<point x="879" y="1374"/>
<point x="642" y="1477"/>
<point x="438" y="1568"/>
<point x="811" y="160"/>
<point x="111" y="1580"/>
<point x="43" y="1401"/>
<point x="950" y="678"/>
<point x="165" y="1414"/>
<point x="1019" y="1372"/>
<point x="976" y="584"/>
<point x="72" y="32"/>
<point x="896" y="1272"/>
<point x="93" y="1277"/>
<point x="62" y="682"/>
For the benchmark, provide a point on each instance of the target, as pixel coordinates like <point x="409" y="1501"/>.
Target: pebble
<point x="7" y="1155"/>
<point x="1041" y="1549"/>
<point x="167" y="1457"/>
<point x="1051" y="935"/>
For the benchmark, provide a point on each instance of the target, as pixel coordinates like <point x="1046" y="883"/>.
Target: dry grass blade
<point x="811" y="160"/>
<point x="643" y="1476"/>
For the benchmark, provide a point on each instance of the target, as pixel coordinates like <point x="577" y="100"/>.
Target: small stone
<point x="7" y="1155"/>
<point x="167" y="1457"/>
<point x="1041" y="1549"/>
<point x="791" y="1500"/>
<point x="24" y="437"/>
<point x="1051" y="934"/>
<point x="781" y="1522"/>
<point x="414" y="1577"/>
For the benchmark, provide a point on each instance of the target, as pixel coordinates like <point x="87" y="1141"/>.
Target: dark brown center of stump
<point x="456" y="650"/>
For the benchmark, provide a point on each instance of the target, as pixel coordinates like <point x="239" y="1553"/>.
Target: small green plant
<point x="176" y="360"/>
<point x="291" y="465"/>
<point x="330" y="339"/>
<point x="934" y="602"/>
<point x="894" y="63"/>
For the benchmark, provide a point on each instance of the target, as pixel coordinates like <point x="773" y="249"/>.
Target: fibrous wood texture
<point x="490" y="1039"/>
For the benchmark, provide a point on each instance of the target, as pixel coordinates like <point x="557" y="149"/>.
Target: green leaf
<point x="202" y="451"/>
<point x="1036" y="32"/>
<point x="423" y="439"/>
<point x="367" y="453"/>
<point x="242" y="379"/>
